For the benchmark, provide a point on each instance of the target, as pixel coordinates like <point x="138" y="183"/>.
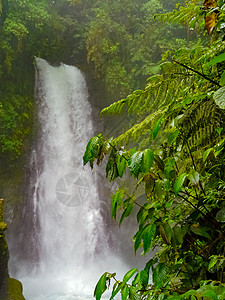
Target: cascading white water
<point x="71" y="234"/>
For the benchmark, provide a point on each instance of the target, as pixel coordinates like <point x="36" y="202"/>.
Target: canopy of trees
<point x="120" y="40"/>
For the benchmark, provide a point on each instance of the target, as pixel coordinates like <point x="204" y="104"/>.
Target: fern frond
<point x="140" y="129"/>
<point x="199" y="123"/>
<point x="188" y="13"/>
<point x="115" y="108"/>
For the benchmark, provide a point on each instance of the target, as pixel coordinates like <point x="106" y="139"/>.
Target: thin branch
<point x="194" y="206"/>
<point x="200" y="74"/>
<point x="134" y="201"/>
<point x="117" y="151"/>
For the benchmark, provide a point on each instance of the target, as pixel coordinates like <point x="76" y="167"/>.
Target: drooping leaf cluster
<point x="178" y="162"/>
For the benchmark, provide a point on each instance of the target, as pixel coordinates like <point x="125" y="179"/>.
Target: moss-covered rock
<point x="10" y="289"/>
<point x="15" y="290"/>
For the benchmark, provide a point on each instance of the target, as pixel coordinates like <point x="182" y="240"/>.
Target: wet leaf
<point x="194" y="177"/>
<point x="157" y="127"/>
<point x="160" y="275"/>
<point x="219" y="97"/>
<point x="92" y="150"/>
<point x="116" y="288"/>
<point x="179" y="183"/>
<point x="222" y="79"/>
<point x="147" y="161"/>
<point x="126" y="212"/>
<point x="202" y="231"/>
<point x="121" y="165"/>
<point x="116" y="202"/>
<point x="166" y="233"/>
<point x="129" y="274"/>
<point x="135" y="163"/>
<point x="100" y="287"/>
<point x="206" y="154"/>
<point x="124" y="292"/>
<point x="148" y="235"/>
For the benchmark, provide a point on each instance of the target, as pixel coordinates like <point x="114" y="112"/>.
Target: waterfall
<point x="70" y="236"/>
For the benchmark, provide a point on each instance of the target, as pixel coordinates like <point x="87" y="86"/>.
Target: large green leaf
<point x="222" y="79"/>
<point x="217" y="59"/>
<point x="129" y="274"/>
<point x="116" y="288"/>
<point x="194" y="177"/>
<point x="147" y="161"/>
<point x="92" y="150"/>
<point x="172" y="136"/>
<point x="111" y="167"/>
<point x="124" y="292"/>
<point x="135" y="163"/>
<point x="144" y="277"/>
<point x="126" y="212"/>
<point x="138" y="239"/>
<point x="142" y="215"/>
<point x="134" y="293"/>
<point x="160" y="275"/>
<point x="157" y="127"/>
<point x="100" y="287"/>
<point x="179" y="183"/>
<point x="213" y="261"/>
<point x="206" y="154"/>
<point x="166" y="232"/>
<point x="202" y="231"/>
<point x="148" y="235"/>
<point x="178" y="235"/>
<point x="219" y="97"/>
<point x="121" y="165"/>
<point x="116" y="202"/>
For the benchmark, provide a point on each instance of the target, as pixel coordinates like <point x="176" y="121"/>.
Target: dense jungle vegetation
<point x="116" y="41"/>
<point x="174" y="150"/>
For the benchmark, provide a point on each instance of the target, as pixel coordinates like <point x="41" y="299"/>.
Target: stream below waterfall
<point x="70" y="238"/>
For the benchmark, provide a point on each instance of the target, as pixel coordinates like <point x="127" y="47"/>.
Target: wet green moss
<point x="15" y="289"/>
<point x="10" y="289"/>
<point x="3" y="226"/>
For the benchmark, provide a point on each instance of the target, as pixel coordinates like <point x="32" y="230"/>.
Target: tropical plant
<point x="178" y="162"/>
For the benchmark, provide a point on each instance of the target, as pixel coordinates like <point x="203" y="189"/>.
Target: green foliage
<point x="94" y="150"/>
<point x="100" y="287"/>
<point x="116" y="202"/>
<point x="27" y="29"/>
<point x="179" y="115"/>
<point x="219" y="97"/>
<point x="179" y="183"/>
<point x="15" y="119"/>
<point x="125" y="43"/>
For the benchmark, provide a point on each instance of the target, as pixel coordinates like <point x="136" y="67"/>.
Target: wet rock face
<point x="10" y="289"/>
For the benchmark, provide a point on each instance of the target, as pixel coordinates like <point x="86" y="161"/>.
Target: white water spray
<point x="72" y="236"/>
